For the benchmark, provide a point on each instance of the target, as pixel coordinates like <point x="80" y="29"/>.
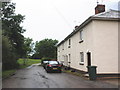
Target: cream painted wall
<point x="77" y="47"/>
<point x="106" y="46"/>
<point x="85" y="46"/>
<point x="101" y="39"/>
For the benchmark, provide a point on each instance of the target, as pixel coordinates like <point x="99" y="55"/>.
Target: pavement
<point x="112" y="81"/>
<point x="36" y="77"/>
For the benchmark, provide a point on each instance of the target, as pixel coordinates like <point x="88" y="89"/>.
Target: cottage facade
<point x="93" y="43"/>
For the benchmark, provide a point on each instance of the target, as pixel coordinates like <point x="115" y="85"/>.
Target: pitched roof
<point x="109" y="15"/>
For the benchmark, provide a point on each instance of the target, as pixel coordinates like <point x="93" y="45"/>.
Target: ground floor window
<point x="81" y="58"/>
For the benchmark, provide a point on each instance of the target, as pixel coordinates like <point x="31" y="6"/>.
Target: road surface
<point x="36" y="77"/>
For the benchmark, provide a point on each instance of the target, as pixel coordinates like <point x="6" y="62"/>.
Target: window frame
<point x="81" y="36"/>
<point x="69" y="42"/>
<point x="81" y="58"/>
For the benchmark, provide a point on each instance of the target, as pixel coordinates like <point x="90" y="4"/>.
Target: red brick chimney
<point x="99" y="8"/>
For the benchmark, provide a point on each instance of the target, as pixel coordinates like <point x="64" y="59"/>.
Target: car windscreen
<point x="45" y="61"/>
<point x="53" y="62"/>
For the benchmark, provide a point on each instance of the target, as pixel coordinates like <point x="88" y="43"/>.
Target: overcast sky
<point x="56" y="19"/>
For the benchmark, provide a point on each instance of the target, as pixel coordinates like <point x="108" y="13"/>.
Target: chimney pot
<point x="76" y="27"/>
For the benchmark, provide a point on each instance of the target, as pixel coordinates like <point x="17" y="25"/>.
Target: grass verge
<point x="27" y="62"/>
<point x="23" y="63"/>
<point x="8" y="73"/>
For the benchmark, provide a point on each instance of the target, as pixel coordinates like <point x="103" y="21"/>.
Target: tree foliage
<point x="28" y="46"/>
<point x="45" y="48"/>
<point x="8" y="57"/>
<point x="12" y="38"/>
<point x="11" y="26"/>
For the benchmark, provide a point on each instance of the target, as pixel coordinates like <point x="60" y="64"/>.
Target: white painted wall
<point x="82" y="47"/>
<point x="106" y="46"/>
<point x="101" y="39"/>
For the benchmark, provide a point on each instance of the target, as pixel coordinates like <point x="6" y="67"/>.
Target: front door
<point x="89" y="58"/>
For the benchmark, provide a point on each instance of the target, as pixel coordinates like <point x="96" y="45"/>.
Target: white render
<point x="100" y="37"/>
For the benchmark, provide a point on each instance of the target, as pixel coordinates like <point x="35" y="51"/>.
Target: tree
<point x="28" y="46"/>
<point x="46" y="48"/>
<point x="8" y="57"/>
<point x="11" y="26"/>
<point x="12" y="38"/>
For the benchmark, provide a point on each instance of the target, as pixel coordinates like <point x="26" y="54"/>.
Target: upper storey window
<point x="81" y="36"/>
<point x="69" y="43"/>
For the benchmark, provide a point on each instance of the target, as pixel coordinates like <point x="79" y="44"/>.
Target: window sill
<point x="80" y="41"/>
<point x="81" y="63"/>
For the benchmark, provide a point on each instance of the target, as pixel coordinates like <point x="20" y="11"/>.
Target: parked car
<point x="52" y="66"/>
<point x="44" y="63"/>
<point x="60" y="62"/>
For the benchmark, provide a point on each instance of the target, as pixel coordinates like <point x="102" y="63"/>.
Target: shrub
<point x="8" y="56"/>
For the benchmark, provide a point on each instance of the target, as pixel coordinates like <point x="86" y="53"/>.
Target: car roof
<point x="45" y="61"/>
<point x="53" y="61"/>
<point x="50" y="61"/>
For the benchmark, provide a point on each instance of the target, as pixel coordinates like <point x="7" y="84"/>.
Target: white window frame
<point x="82" y="58"/>
<point x="81" y="35"/>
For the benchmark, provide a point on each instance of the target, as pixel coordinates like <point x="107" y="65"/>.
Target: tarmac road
<point x="36" y="77"/>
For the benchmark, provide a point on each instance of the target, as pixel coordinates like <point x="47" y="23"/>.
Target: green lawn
<point x="7" y="73"/>
<point x="29" y="62"/>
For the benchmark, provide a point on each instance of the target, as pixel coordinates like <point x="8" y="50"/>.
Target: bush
<point x="8" y="56"/>
<point x="28" y="62"/>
